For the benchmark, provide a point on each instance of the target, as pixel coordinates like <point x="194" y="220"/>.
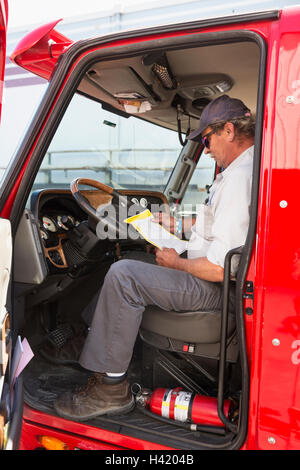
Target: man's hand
<point x="199" y="267"/>
<point x="167" y="257"/>
<point x="164" y="219"/>
<point x="169" y="222"/>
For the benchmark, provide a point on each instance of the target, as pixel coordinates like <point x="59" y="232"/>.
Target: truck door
<point x="11" y="397"/>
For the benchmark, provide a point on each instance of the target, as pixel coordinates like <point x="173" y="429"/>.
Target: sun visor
<point x="40" y="49"/>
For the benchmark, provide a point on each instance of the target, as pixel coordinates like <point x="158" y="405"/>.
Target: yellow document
<point x="154" y="233"/>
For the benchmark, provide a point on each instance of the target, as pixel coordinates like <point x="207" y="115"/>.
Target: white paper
<point x="26" y="357"/>
<point x="18" y="351"/>
<point x="22" y="356"/>
<point x="155" y="233"/>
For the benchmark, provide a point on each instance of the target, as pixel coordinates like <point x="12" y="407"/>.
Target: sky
<point x="31" y="12"/>
<point x="24" y="12"/>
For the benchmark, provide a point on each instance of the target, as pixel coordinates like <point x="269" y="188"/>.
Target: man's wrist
<point x="181" y="264"/>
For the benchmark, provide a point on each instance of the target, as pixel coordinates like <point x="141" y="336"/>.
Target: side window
<point x="197" y="190"/>
<point x="121" y="152"/>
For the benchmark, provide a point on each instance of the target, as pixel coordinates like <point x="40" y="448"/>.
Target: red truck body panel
<point x="274" y="404"/>
<point x="3" y="28"/>
<point x="38" y="50"/>
<point x="273" y="330"/>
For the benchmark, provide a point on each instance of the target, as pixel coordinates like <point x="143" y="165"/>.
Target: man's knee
<point x="123" y="278"/>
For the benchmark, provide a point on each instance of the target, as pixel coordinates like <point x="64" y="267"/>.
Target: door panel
<point x="5" y="263"/>
<point x="5" y="270"/>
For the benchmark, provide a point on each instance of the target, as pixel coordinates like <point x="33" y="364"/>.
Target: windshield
<point x="121" y="152"/>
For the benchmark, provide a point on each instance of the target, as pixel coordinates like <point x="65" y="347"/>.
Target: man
<point x="226" y="129"/>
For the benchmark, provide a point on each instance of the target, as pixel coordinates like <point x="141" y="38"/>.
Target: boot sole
<point x="115" y="411"/>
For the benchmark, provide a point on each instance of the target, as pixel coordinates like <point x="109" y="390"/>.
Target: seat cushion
<point x="193" y="327"/>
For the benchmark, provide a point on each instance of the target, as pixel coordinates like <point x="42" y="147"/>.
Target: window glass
<point x="125" y="153"/>
<point x="202" y="179"/>
<point x="122" y="153"/>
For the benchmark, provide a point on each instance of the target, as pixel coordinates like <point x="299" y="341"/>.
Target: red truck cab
<point x="3" y="28"/>
<point x="157" y="78"/>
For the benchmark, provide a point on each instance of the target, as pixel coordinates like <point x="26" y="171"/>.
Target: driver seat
<point x="197" y="333"/>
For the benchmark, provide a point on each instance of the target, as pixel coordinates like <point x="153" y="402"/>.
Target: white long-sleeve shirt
<point x="222" y="224"/>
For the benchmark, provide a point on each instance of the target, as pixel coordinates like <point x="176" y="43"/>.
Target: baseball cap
<point x="222" y="108"/>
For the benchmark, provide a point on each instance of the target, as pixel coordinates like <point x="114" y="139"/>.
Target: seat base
<point x="195" y="327"/>
<point x="195" y="333"/>
<point x="209" y="350"/>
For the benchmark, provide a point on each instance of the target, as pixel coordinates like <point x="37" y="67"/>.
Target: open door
<point x="5" y="268"/>
<point x="11" y="403"/>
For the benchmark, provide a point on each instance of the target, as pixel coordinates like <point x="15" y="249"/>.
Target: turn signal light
<point x="52" y="443"/>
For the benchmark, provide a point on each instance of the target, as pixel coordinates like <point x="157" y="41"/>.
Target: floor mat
<point x="43" y="382"/>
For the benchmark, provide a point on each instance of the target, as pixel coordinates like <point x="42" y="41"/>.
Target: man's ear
<point x="229" y="131"/>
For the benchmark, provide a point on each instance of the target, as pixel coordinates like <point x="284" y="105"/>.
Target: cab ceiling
<point x="199" y="74"/>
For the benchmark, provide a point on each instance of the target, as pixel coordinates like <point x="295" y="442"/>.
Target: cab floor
<point x="44" y="382"/>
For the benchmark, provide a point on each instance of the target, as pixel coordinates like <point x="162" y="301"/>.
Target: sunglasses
<point x="205" y="139"/>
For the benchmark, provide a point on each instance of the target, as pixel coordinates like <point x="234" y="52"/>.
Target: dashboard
<point x="58" y="223"/>
<point x="68" y="238"/>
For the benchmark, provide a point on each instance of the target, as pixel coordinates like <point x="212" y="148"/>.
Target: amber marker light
<point x="52" y="443"/>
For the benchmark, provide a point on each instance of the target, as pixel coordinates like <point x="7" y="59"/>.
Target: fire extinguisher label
<point x="176" y="404"/>
<point x="182" y="406"/>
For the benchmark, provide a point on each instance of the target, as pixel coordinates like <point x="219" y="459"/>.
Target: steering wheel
<point x="115" y="227"/>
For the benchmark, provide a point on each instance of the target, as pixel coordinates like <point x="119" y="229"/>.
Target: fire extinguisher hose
<point x="188" y="426"/>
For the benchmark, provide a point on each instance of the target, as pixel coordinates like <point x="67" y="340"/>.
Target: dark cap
<point x="221" y="109"/>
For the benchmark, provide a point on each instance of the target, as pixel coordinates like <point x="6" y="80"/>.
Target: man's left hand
<point x="167" y="257"/>
<point x="199" y="267"/>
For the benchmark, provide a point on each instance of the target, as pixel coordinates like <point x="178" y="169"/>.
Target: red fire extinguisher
<point x="183" y="406"/>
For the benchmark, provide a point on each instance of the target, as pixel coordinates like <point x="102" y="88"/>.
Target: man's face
<point x="220" y="148"/>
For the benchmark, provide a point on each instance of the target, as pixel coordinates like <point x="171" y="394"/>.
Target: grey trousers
<point x="130" y="286"/>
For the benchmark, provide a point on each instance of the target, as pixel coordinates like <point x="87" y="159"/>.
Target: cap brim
<point x="195" y="135"/>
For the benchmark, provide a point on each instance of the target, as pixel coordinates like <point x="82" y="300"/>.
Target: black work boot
<point x="102" y="395"/>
